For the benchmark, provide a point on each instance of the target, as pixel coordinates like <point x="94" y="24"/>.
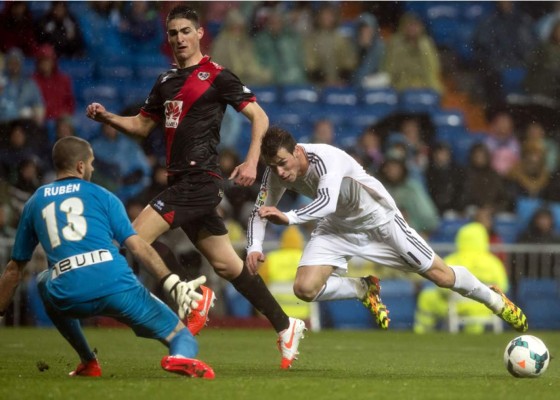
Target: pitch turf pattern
<point x="333" y="365"/>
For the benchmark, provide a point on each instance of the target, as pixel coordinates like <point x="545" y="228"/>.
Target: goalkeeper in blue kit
<point x="77" y="222"/>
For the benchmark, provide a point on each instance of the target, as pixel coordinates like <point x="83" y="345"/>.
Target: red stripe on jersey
<point x="244" y="104"/>
<point x="169" y="217"/>
<point x="198" y="82"/>
<point x="153" y="117"/>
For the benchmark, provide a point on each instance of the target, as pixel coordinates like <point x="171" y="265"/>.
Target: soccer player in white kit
<point x="356" y="216"/>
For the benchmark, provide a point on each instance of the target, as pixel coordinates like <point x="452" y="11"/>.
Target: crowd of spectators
<point x="314" y="44"/>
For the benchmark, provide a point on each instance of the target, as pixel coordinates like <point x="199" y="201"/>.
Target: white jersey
<point x="345" y="197"/>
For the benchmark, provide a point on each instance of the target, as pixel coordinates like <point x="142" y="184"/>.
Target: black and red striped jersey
<point x="191" y="103"/>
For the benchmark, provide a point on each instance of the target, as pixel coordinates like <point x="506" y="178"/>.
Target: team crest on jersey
<point x="262" y="197"/>
<point x="173" y="110"/>
<point x="203" y="75"/>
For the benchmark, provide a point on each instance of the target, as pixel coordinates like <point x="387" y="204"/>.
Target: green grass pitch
<point x="332" y="365"/>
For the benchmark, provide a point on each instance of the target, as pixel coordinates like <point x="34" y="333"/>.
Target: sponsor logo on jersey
<point x="246" y="89"/>
<point x="159" y="205"/>
<point x="203" y="75"/>
<point x="173" y="110"/>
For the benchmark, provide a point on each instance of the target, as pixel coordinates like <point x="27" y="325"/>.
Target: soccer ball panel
<point x="526" y="356"/>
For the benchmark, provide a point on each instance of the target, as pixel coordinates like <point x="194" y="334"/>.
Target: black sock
<point x="253" y="288"/>
<point x="171" y="261"/>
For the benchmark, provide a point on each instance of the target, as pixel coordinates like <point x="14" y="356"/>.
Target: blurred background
<point x="452" y="105"/>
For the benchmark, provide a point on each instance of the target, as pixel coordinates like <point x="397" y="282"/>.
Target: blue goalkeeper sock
<point x="183" y="344"/>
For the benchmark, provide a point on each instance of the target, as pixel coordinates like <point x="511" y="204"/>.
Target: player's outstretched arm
<point x="246" y="173"/>
<point x="273" y="215"/>
<point x="182" y="293"/>
<point x="9" y="281"/>
<point x="137" y="125"/>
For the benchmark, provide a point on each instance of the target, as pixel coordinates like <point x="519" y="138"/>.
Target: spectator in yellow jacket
<point x="279" y="271"/>
<point x="473" y="252"/>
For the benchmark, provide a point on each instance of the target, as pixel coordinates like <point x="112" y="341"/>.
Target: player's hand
<point x="273" y="215"/>
<point x="253" y="260"/>
<point x="183" y="293"/>
<point x="244" y="174"/>
<point x="97" y="112"/>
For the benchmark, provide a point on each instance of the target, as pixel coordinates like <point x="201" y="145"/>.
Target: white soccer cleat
<point x="288" y="342"/>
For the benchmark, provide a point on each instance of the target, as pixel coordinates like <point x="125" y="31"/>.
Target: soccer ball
<point x="526" y="356"/>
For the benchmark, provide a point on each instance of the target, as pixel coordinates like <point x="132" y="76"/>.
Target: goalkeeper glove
<point x="183" y="293"/>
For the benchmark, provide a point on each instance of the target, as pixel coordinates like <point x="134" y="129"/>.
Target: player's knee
<point x="305" y="291"/>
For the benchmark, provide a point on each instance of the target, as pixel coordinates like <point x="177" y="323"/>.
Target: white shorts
<point x="394" y="244"/>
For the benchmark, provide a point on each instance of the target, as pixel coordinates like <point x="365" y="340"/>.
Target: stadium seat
<point x="149" y="67"/>
<point x="101" y="92"/>
<point x="442" y="19"/>
<point x="266" y="94"/>
<point x="537" y="288"/>
<point x="463" y="46"/>
<point x="542" y="313"/>
<point x="507" y="228"/>
<point x="419" y="100"/>
<point x="462" y="146"/>
<point x="512" y="80"/>
<point x="525" y="207"/>
<point x="399" y="295"/>
<point x="340" y="96"/>
<point x="447" y="229"/>
<point x="85" y="128"/>
<point x="236" y="305"/>
<point x="345" y="314"/>
<point x="299" y="94"/>
<point x="474" y="11"/>
<point x="77" y="68"/>
<point x="455" y="118"/>
<point x="114" y="72"/>
<point x="380" y="101"/>
<point x="134" y="92"/>
<point x="555" y="208"/>
<point x="450" y="134"/>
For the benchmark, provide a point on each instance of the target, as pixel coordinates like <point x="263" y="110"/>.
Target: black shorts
<point x="190" y="203"/>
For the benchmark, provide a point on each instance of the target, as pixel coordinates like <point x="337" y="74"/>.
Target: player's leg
<point x="70" y="329"/>
<point x="317" y="279"/>
<point x="414" y="254"/>
<point x="461" y="280"/>
<point x="227" y="263"/>
<point x="150" y="224"/>
<point x="149" y="317"/>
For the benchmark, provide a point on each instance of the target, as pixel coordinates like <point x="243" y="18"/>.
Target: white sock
<point x="339" y="288"/>
<point x="466" y="284"/>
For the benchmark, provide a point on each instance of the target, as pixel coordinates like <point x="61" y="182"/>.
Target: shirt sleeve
<point x="26" y="238"/>
<point x="153" y="106"/>
<point x="269" y="195"/>
<point x="232" y="91"/>
<point x="120" y="224"/>
<point x="328" y="189"/>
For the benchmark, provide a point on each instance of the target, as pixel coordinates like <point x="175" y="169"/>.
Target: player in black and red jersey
<point x="190" y="100"/>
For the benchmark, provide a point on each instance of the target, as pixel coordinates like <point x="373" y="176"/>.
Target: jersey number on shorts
<point x="76" y="227"/>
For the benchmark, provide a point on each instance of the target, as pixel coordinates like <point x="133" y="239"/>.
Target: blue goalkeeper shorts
<point x="147" y="315"/>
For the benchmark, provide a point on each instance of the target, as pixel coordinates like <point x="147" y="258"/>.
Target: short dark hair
<point x="275" y="139"/>
<point x="68" y="151"/>
<point x="186" y="12"/>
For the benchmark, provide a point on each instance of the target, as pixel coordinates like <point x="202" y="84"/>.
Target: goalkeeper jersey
<point x="77" y="223"/>
<point x="343" y="194"/>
